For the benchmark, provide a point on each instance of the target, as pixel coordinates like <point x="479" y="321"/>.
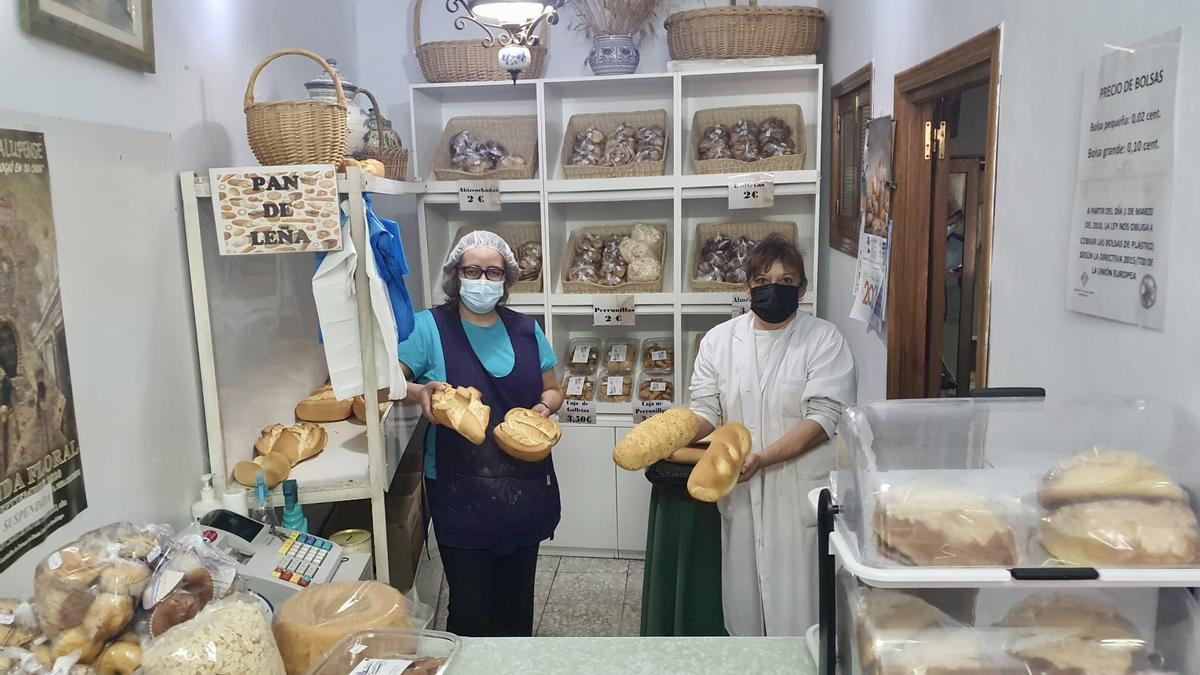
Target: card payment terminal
<point x="274" y="561"/>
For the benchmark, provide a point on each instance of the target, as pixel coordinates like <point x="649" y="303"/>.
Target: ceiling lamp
<point x="514" y="22"/>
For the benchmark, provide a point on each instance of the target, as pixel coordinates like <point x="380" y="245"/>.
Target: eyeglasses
<point x="474" y="272"/>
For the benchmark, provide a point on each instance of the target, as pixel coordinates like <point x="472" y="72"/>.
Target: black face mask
<point x="775" y="303"/>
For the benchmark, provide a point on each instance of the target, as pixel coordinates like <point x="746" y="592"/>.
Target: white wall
<point x="1034" y="339"/>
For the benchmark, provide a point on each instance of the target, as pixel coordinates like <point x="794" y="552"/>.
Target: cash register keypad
<point x="301" y="556"/>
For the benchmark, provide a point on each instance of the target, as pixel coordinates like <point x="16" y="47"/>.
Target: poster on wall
<point x="1121" y="218"/>
<point x="875" y="226"/>
<point x="41" y="473"/>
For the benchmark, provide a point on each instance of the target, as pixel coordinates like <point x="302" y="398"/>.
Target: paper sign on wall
<point x="579" y="412"/>
<point x="753" y="191"/>
<point x="1116" y="265"/>
<point x="276" y="209"/>
<point x="478" y="195"/>
<point x="613" y="310"/>
<point x="740" y="305"/>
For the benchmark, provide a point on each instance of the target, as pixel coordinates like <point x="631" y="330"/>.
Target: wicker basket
<point x="629" y="287"/>
<point x="395" y="160"/>
<point x="311" y="131"/>
<point x="607" y="122"/>
<point x="745" y="32"/>
<point x="517" y="133"/>
<point x="790" y="113"/>
<point x="755" y="230"/>
<point x="514" y="236"/>
<point x="469" y="60"/>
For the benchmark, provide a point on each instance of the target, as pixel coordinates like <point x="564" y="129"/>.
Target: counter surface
<point x="632" y="656"/>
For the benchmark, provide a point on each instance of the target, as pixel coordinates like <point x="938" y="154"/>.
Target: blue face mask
<point x="480" y="295"/>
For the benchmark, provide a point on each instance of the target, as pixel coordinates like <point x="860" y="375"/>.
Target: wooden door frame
<point x="974" y="62"/>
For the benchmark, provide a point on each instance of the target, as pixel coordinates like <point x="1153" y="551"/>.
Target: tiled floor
<point x="579" y="597"/>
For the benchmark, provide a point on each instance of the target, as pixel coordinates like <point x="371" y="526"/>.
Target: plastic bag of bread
<point x="18" y="625"/>
<point x="405" y="652"/>
<point x="190" y="574"/>
<point x="1074" y="633"/>
<point x="930" y="522"/>
<point x="316" y="618"/>
<point x="231" y="636"/>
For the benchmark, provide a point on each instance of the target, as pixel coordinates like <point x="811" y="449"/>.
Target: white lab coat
<point x="768" y="528"/>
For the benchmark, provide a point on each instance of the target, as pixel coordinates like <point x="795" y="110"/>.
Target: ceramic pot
<point x="614" y="55"/>
<point x="322" y="88"/>
<point x="391" y="137"/>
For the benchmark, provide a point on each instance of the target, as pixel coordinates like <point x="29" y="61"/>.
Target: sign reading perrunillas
<point x="644" y="410"/>
<point x="614" y="310"/>
<point x="276" y="209"/>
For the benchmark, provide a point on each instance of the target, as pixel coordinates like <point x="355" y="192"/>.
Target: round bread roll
<point x="360" y="409"/>
<point x="319" y="616"/>
<point x="322" y="406"/>
<point x="933" y="523"/>
<point x="125" y="576"/>
<point x="121" y="658"/>
<point x="1121" y="532"/>
<point x="526" y="435"/>
<point x="1107" y="474"/>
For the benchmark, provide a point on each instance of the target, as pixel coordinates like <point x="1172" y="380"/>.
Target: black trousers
<point x="491" y="595"/>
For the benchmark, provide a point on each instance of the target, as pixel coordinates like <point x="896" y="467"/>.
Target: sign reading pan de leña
<point x="276" y="209"/>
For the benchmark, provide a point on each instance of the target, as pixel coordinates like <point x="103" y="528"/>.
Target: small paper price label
<point x="478" y="195"/>
<point x="613" y="310"/>
<point x="754" y="191"/>
<point x="579" y="412"/>
<point x="740" y="305"/>
<point x="647" y="409"/>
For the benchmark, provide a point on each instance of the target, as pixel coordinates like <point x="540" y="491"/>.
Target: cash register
<point x="275" y="561"/>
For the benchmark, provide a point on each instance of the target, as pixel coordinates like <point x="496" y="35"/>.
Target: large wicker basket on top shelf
<point x="517" y="133"/>
<point x="394" y="160"/>
<point x="790" y="113"/>
<point x="312" y="131"/>
<point x="628" y="287"/>
<point x="607" y="122"/>
<point x="744" y="32"/>
<point x="514" y="235"/>
<point x="469" y="60"/>
<point x="754" y="230"/>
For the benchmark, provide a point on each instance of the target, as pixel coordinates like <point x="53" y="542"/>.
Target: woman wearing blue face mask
<point x="490" y="512"/>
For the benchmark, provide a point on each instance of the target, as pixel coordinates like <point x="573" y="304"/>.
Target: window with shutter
<point x="851" y="113"/>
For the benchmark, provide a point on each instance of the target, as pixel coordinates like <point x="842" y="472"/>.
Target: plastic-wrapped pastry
<point x="620" y="155"/>
<point x="584" y="273"/>
<point x="589" y="241"/>
<point x="745" y="152"/>
<point x="744" y="128"/>
<point x="646" y="233"/>
<point x="495" y="151"/>
<point x="583" y="160"/>
<point x="529" y="260"/>
<point x="709" y="145"/>
<point x="616" y="387"/>
<point x="716" y="244"/>
<point x="735" y="274"/>
<point x="461" y="141"/>
<point x="775" y="125"/>
<point x="649" y="155"/>
<point x="741" y="250"/>
<point x="651" y="131"/>
<point x="591" y="134"/>
<point x="513" y="162"/>
<point x="769" y="134"/>
<point x="717" y="131"/>
<point x="583" y="355"/>
<point x="579" y="387"/>
<point x="624" y="130"/>
<point x="706" y="272"/>
<point x="613" y="274"/>
<point x="644" y="269"/>
<point x="633" y="248"/>
<point x="777" y="149"/>
<point x="718" y="152"/>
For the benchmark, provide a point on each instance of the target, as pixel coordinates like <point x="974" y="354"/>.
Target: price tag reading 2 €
<point x="578" y="412"/>
<point x="752" y="191"/>
<point x="478" y="195"/>
<point x="613" y="310"/>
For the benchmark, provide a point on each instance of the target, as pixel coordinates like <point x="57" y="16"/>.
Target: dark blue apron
<point x="482" y="498"/>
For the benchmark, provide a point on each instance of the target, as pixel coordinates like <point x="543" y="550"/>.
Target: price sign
<point x="755" y="191"/>
<point x="740" y="305"/>
<point x="613" y="310"/>
<point x="647" y="409"/>
<point x="478" y="195"/>
<point x="578" y="412"/>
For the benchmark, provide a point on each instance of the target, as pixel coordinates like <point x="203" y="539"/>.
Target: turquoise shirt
<point x="422" y="353"/>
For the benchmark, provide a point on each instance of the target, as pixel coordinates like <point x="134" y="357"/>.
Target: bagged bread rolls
<point x="318" y="617"/>
<point x="462" y="409"/>
<point x="717" y="471"/>
<point x="1107" y="474"/>
<point x="926" y="522"/>
<point x="1121" y="532"/>
<point x="526" y="435"/>
<point x="322" y="406"/>
<point x="656" y="438"/>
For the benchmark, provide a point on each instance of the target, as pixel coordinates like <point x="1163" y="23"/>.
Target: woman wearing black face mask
<point x="787" y="376"/>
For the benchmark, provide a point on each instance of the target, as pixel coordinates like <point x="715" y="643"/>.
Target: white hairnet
<point x="483" y="239"/>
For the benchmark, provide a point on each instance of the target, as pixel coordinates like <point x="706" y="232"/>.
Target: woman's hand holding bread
<point x="425" y="398"/>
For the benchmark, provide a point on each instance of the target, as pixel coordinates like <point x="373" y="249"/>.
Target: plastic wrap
<point x="928" y="522"/>
<point x="190" y="574"/>
<point x="656" y="388"/>
<point x="620" y="355"/>
<point x="18" y="624"/>
<point x="231" y="636"/>
<point x="583" y="356"/>
<point x="316" y="618"/>
<point x="579" y="387"/>
<point x="391" y="652"/>
<point x="615" y="387"/>
<point x="658" y="354"/>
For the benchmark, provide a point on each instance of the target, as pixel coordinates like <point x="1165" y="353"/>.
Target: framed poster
<point x="41" y="474"/>
<point x="121" y="31"/>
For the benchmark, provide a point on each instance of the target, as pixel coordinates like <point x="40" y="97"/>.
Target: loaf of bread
<point x="718" y="470"/>
<point x="319" y="616"/>
<point x="462" y="409"/>
<point x="526" y="435"/>
<point x="1063" y="633"/>
<point x="299" y="442"/>
<point x="884" y="616"/>
<point x="927" y="522"/>
<point x="359" y="408"/>
<point x="274" y="467"/>
<point x="322" y="406"/>
<point x="1107" y="474"/>
<point x="944" y="651"/>
<point x="1121" y="532"/>
<point x="688" y="455"/>
<point x="15" y="629"/>
<point x="656" y="438"/>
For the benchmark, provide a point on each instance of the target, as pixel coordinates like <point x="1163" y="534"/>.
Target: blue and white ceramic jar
<point x="321" y="87"/>
<point x="614" y="55"/>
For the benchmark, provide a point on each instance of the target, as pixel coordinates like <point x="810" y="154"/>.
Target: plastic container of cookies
<point x="654" y="387"/>
<point x="615" y="387"/>
<point x="583" y="355"/>
<point x="577" y="387"/>
<point x="620" y="355"/>
<point x="658" y="354"/>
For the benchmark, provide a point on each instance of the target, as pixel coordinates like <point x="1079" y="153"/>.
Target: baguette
<point x="718" y="470"/>
<point x="526" y="435"/>
<point x="300" y="442"/>
<point x="462" y="409"/>
<point x="322" y="406"/>
<point x="274" y="467"/>
<point x="656" y="439"/>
